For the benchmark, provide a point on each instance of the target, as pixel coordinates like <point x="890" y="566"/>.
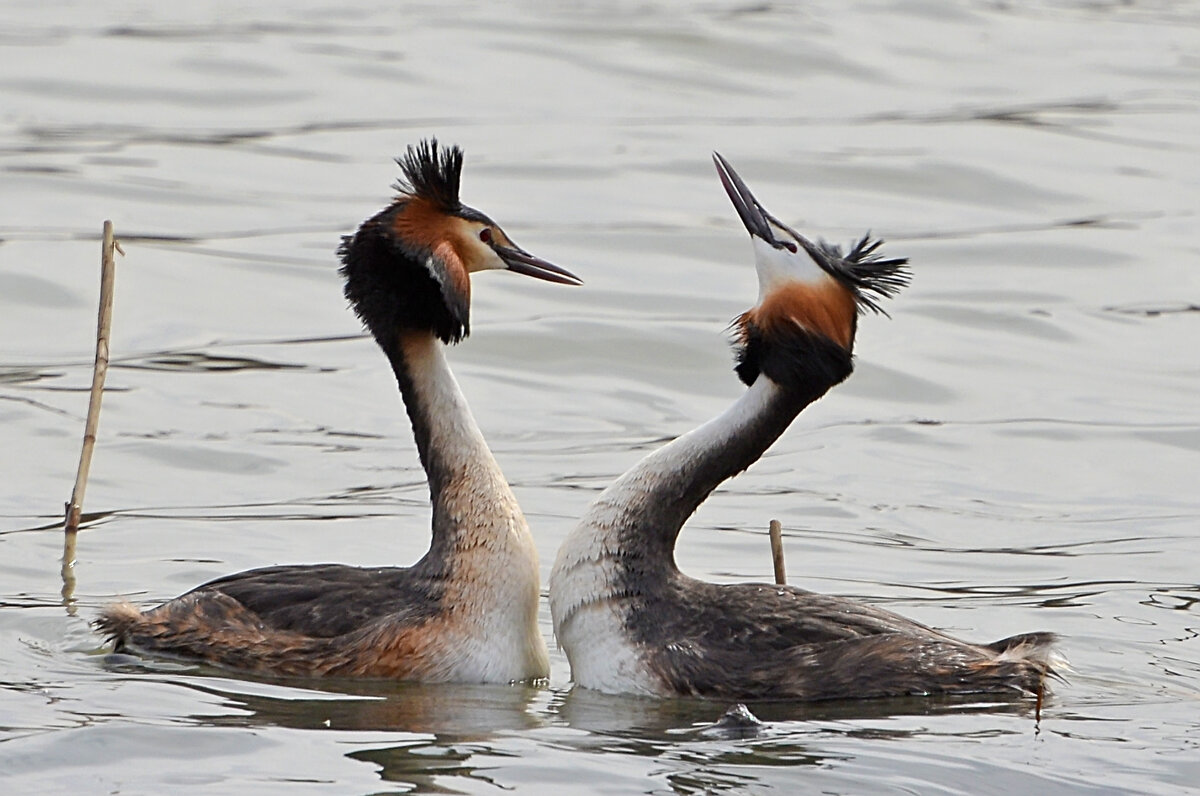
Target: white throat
<point x="495" y="582"/>
<point x="777" y="267"/>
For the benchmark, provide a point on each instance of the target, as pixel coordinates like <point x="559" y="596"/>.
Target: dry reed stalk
<point x="74" y="507"/>
<point x="777" y="552"/>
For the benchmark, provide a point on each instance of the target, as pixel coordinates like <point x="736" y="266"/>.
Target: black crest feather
<point x="870" y="276"/>
<point x="388" y="280"/>
<point x="432" y="172"/>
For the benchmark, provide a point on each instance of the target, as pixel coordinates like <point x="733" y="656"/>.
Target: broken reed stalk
<point x="777" y="553"/>
<point x="74" y="508"/>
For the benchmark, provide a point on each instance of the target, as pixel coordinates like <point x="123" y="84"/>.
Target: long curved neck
<point x="469" y="493"/>
<point x="624" y="545"/>
<point x="638" y="518"/>
<point x="648" y="505"/>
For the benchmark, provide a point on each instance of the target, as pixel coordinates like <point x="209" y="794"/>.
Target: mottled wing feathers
<point x="324" y="600"/>
<point x="214" y="627"/>
<point x="758" y="641"/>
<point x="311" y="620"/>
<point x="727" y="616"/>
<point x="205" y="626"/>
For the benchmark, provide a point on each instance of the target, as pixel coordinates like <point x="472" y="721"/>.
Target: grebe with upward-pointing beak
<point x="467" y="611"/>
<point x="631" y="622"/>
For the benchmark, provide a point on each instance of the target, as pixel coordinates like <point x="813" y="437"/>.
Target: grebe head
<point x="805" y="286"/>
<point x="408" y="266"/>
<point x="783" y="255"/>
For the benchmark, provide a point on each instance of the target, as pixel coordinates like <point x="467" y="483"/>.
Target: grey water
<point x="1018" y="450"/>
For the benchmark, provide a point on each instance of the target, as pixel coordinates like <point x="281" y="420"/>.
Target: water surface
<point x="1018" y="449"/>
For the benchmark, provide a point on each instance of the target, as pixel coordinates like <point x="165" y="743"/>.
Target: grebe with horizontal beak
<point x="466" y="611"/>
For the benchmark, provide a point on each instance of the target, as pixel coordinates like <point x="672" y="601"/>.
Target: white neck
<point x="480" y="536"/>
<point x="454" y="439"/>
<point x="641" y="513"/>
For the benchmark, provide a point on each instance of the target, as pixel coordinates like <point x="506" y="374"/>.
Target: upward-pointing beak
<point x="522" y="262"/>
<point x="753" y="214"/>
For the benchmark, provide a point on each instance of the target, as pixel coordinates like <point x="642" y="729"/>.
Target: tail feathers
<point x="1037" y="649"/>
<point x="117" y="623"/>
<point x="212" y="627"/>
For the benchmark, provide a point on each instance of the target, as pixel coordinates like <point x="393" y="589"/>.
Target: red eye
<point x="485" y="235"/>
<point x="787" y="244"/>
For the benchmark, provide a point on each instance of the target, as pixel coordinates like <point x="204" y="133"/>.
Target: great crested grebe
<point x="467" y="611"/>
<point x="631" y="622"/>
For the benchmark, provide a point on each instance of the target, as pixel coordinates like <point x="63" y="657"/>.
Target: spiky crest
<point x="433" y="173"/>
<point x="863" y="270"/>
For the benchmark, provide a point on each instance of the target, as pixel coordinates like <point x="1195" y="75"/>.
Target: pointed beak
<point x="753" y="214"/>
<point x="522" y="262"/>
